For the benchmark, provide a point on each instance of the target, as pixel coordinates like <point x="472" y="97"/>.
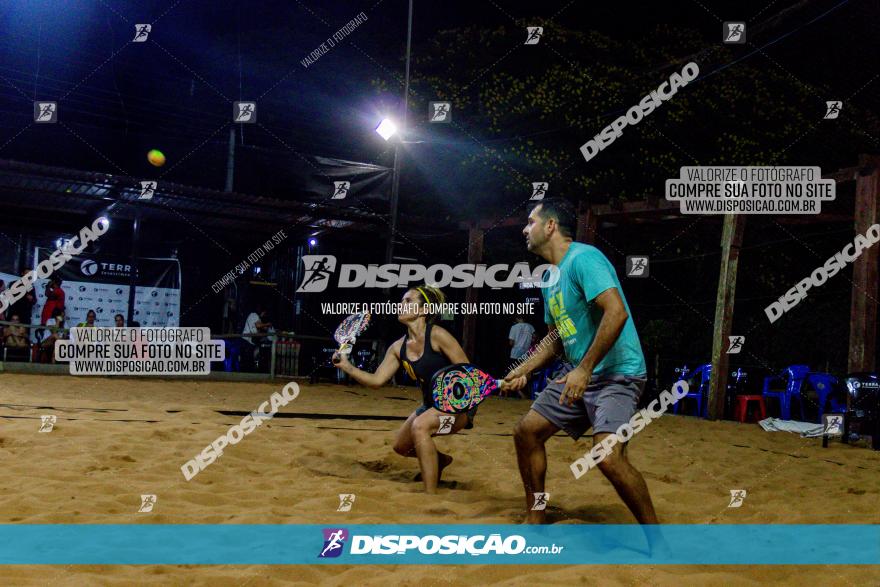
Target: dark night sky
<point x="174" y="93"/>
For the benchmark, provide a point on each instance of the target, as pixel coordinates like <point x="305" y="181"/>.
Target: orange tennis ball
<point x="156" y="157"/>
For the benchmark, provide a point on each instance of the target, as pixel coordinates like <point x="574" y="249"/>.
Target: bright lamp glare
<point x="386" y="128"/>
<point x="313" y="242"/>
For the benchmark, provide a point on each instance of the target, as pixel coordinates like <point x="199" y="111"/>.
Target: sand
<point x="103" y="453"/>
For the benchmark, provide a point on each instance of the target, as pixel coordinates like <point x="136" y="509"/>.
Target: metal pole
<point x="133" y="271"/>
<point x="296" y="281"/>
<point x="230" y="160"/>
<point x="395" y="176"/>
<point x="272" y="360"/>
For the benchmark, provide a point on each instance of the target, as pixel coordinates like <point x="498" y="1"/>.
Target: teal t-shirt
<point x="584" y="273"/>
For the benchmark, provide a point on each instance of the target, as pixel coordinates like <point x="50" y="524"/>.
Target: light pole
<point x="395" y="174"/>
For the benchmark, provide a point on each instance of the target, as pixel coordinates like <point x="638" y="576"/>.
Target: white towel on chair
<point x="805" y="429"/>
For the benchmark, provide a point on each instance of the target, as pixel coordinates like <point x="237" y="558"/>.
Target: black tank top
<point x="429" y="363"/>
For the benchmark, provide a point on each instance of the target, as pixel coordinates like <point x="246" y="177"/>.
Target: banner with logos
<point x="7" y="279"/>
<point x="101" y="283"/>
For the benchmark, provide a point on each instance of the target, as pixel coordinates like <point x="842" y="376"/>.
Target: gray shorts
<point x="609" y="401"/>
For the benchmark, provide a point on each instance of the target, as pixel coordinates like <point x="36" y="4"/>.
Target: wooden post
<point x="587" y="223"/>
<point x="863" y="310"/>
<point x="731" y="240"/>
<point x="469" y="329"/>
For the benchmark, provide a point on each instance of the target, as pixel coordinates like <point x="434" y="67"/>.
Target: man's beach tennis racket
<point x="347" y="332"/>
<point x="460" y="387"/>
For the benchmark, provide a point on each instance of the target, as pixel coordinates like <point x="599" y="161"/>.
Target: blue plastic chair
<point x="233" y="355"/>
<point x="792" y="378"/>
<point x="704" y="372"/>
<point x="824" y="384"/>
<point x="539" y="382"/>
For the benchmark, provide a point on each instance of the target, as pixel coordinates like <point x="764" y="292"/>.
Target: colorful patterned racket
<point x="460" y="387"/>
<point x="349" y="330"/>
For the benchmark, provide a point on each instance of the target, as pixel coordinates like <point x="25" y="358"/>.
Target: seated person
<point x="15" y="336"/>
<point x="56" y="332"/>
<point x="90" y="320"/>
<point x="257" y="323"/>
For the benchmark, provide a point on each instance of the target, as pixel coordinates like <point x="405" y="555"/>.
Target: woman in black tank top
<point x="422" y="351"/>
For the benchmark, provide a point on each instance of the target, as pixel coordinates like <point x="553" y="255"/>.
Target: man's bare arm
<point x="614" y="317"/>
<point x="548" y="349"/>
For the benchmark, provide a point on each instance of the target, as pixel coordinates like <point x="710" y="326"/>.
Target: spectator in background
<point x="90" y="320"/>
<point x="15" y="336"/>
<point x="256" y="323"/>
<point x="56" y="324"/>
<point x="54" y="299"/>
<point x="520" y="338"/>
<point x="24" y="306"/>
<point x="119" y="321"/>
<point x="2" y="289"/>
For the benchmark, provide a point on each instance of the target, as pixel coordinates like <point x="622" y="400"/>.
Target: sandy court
<point x="116" y="439"/>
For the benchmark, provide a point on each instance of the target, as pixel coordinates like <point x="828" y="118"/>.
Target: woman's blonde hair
<point x="432" y="296"/>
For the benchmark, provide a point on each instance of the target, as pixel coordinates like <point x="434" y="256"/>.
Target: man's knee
<point x="614" y="463"/>
<point x="524" y="432"/>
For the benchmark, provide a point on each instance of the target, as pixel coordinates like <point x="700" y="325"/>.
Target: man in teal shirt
<point x="589" y="320"/>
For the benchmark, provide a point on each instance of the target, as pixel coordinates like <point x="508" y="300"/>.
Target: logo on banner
<point x="334" y="541"/>
<point x="88" y="267"/>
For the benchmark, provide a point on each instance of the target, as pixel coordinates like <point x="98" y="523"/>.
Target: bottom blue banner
<point x="275" y="544"/>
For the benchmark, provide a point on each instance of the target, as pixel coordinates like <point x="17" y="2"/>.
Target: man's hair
<point x="563" y="212"/>
<point x="119" y="316"/>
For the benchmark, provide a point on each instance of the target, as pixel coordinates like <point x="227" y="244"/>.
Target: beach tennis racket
<point x="461" y="387"/>
<point x="346" y="333"/>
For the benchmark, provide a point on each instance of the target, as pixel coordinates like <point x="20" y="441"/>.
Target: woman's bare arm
<point x="386" y="370"/>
